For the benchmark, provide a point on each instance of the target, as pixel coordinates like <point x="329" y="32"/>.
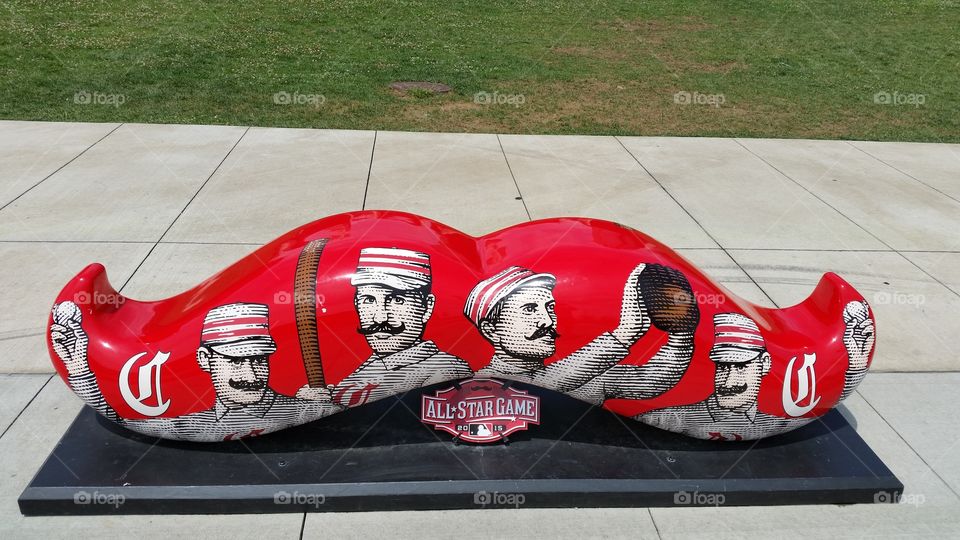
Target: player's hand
<point x="324" y="394"/>
<point x="634" y="320"/>
<point x="858" y="334"/>
<point x="69" y="339"/>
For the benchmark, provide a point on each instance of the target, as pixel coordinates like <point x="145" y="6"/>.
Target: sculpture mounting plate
<point x="381" y="457"/>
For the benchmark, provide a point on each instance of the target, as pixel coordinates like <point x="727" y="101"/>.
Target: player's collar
<point x="507" y="365"/>
<point x="718" y="413"/>
<point x="258" y="409"/>
<point x="417" y="353"/>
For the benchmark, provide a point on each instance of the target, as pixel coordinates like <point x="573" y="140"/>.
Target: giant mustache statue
<point x="358" y="307"/>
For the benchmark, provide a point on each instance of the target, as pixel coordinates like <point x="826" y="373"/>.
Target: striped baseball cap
<point x="492" y="290"/>
<point x="736" y="339"/>
<point x="238" y="330"/>
<point x="401" y="269"/>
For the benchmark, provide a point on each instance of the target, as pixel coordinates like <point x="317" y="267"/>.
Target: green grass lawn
<point x="770" y="68"/>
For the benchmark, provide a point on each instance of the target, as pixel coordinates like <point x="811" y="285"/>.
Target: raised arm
<point x="607" y="349"/>
<point x="858" y="338"/>
<point x="69" y="341"/>
<point x="656" y="376"/>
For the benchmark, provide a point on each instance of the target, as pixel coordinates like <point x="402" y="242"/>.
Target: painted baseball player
<point x="858" y="338"/>
<point x="742" y="360"/>
<point x="235" y="347"/>
<point x="394" y="302"/>
<point x="515" y="311"/>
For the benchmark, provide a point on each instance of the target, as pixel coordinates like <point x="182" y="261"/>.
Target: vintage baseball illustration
<point x="364" y="306"/>
<point x="394" y="302"/>
<point x="235" y="348"/>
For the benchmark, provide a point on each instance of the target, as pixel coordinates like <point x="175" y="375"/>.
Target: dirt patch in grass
<point x="673" y="62"/>
<point x="665" y="41"/>
<point x="630" y="107"/>
<point x="655" y="27"/>
<point x="685" y="64"/>
<point x="593" y="52"/>
<point x="588" y="105"/>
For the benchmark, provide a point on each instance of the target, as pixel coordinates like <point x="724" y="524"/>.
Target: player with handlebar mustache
<point x="394" y="296"/>
<point x="515" y="311"/>
<point x="235" y="348"/>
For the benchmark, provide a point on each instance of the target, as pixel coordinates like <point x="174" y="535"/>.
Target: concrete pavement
<point x="164" y="207"/>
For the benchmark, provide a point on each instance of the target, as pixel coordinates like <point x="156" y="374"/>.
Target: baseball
<point x="66" y="311"/>
<point x="669" y="299"/>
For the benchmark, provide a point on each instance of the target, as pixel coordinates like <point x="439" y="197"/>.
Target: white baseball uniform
<point x="420" y="365"/>
<point x="272" y="413"/>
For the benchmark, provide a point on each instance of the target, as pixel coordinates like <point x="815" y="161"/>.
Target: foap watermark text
<point x="301" y="499"/>
<point x="84" y="298"/>
<point x="699" y="498"/>
<point x="899" y="298"/>
<point x="696" y="98"/>
<point x="296" y="98"/>
<point x="497" y="499"/>
<point x="896" y="98"/>
<point x="496" y="98"/>
<point x="887" y="497"/>
<point x="85" y="97"/>
<point x="87" y="498"/>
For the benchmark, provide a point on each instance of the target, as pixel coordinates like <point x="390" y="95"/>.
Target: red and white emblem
<point x="480" y="410"/>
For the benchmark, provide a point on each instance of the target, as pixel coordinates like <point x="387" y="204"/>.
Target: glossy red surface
<point x="591" y="260"/>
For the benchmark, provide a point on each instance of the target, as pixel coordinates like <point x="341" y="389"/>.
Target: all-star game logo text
<point x="480" y="410"/>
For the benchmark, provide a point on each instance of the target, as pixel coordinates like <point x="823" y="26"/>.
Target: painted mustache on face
<point x="247" y="386"/>
<point x="301" y="289"/>
<point x="731" y="390"/>
<point x="544" y="331"/>
<point x="382" y="328"/>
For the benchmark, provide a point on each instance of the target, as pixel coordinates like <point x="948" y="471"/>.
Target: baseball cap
<point x="401" y="269"/>
<point x="736" y="339"/>
<point x="492" y="290"/>
<point x="238" y="330"/>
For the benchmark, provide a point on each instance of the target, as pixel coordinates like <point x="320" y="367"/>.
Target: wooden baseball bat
<point x="305" y="308"/>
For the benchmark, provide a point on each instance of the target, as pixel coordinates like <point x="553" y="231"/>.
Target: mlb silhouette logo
<point x="481" y="430"/>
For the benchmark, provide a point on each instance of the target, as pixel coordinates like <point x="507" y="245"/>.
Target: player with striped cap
<point x="238" y="330"/>
<point x="235" y="348"/>
<point x="736" y="339"/>
<point x="730" y="412"/>
<point x="515" y="310"/>
<point x="741" y="358"/>
<point x="394" y="302"/>
<point x="488" y="293"/>
<point x="400" y="269"/>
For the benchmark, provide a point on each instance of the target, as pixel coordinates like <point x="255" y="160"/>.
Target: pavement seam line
<point x="366" y="187"/>
<point x="25" y="407"/>
<point x="184" y="209"/>
<point x="908" y="175"/>
<point x="74" y="158"/>
<point x="515" y="183"/>
<point x="910" y="446"/>
<point x="655" y="527"/>
<point x="695" y="220"/>
<point x="848" y="218"/>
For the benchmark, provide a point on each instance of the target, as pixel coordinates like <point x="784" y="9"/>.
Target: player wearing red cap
<point x="514" y="310"/>
<point x="740" y="354"/>
<point x="235" y="347"/>
<point x="394" y="302"/>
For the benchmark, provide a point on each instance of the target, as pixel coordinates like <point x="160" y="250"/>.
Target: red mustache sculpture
<point x="361" y="306"/>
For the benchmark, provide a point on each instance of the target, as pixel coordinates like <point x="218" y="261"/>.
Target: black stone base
<point x="380" y="457"/>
